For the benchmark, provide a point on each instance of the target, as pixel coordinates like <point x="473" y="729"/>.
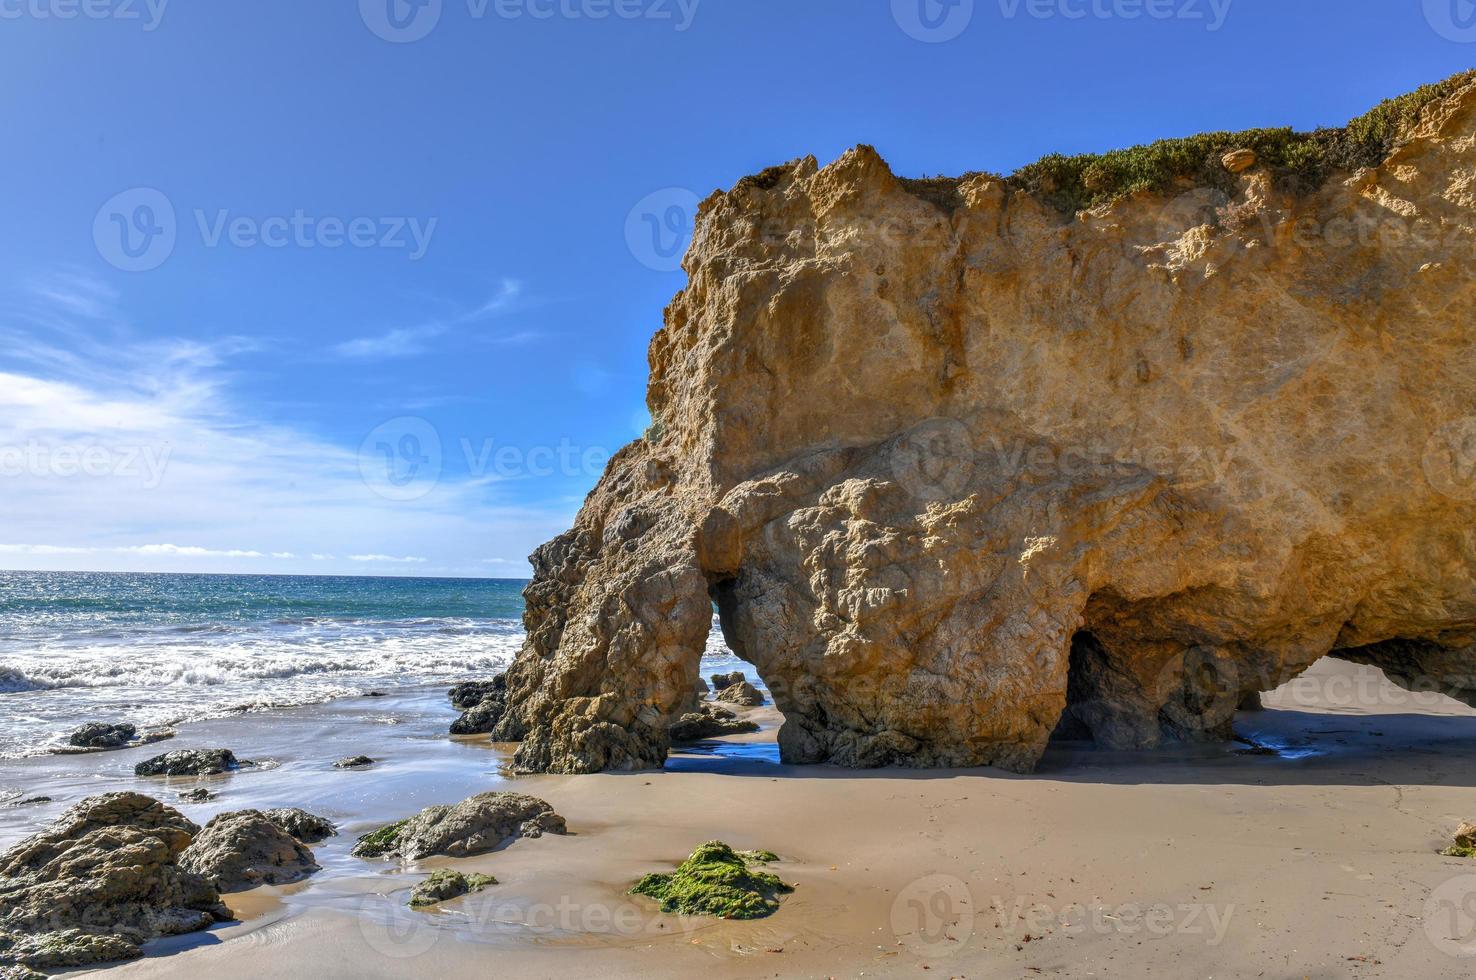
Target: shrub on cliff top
<point x="1305" y="160"/>
<point x="716" y="880"/>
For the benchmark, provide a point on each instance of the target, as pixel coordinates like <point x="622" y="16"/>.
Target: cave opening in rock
<point x="1087" y="661"/>
<point x="740" y="716"/>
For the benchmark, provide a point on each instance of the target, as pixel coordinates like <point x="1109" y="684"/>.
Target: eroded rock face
<point x="959" y="469"/>
<point x="104" y="878"/>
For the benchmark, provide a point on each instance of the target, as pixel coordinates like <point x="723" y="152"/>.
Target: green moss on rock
<point x="445" y="884"/>
<point x="381" y="841"/>
<point x="716" y="880"/>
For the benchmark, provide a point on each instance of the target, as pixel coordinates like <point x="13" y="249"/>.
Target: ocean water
<point x="163" y="649"/>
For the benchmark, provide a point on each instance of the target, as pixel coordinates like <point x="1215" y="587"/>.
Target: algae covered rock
<point x="306" y="827"/>
<point x="444" y="885"/>
<point x="1465" y="842"/>
<point x="354" y="762"/>
<point x="100" y="735"/>
<point x="473" y="826"/>
<point x="242" y="850"/>
<point x="717" y="880"/>
<point x="189" y="762"/>
<point x="104" y="878"/>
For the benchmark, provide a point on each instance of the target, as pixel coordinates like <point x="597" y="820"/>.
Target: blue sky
<point x="366" y="287"/>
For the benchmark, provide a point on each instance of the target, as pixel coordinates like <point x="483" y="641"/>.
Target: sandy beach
<point x="1319" y="860"/>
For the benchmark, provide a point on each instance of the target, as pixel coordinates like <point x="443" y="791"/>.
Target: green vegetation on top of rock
<point x="381" y="842"/>
<point x="716" y="880"/>
<point x="445" y="884"/>
<point x="1300" y="161"/>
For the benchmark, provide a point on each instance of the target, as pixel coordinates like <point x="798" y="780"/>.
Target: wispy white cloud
<point x="408" y="341"/>
<point x="169" y="453"/>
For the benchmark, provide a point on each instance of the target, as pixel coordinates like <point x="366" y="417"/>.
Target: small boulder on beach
<point x="306" y="827"/>
<point x="245" y="849"/>
<point x="104" y="878"/>
<point x="445" y="884"/>
<point x="474" y="826"/>
<point x="197" y="795"/>
<point x="189" y="762"/>
<point x="354" y="762"/>
<point x="1465" y="842"/>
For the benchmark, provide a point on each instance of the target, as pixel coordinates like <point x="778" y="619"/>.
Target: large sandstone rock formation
<point x="961" y="469"/>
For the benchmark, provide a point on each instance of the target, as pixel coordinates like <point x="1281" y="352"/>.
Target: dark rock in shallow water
<point x="242" y="850"/>
<point x="742" y="693"/>
<point x="306" y="827"/>
<point x="102" y="879"/>
<point x="98" y="735"/>
<point x="189" y="762"/>
<point x="28" y="801"/>
<point x="198" y="795"/>
<point x="473" y="826"/>
<point x="709" y="721"/>
<point x="482" y="704"/>
<point x="357" y="762"/>
<point x="444" y="885"/>
<point x="469" y="694"/>
<point x="101" y="737"/>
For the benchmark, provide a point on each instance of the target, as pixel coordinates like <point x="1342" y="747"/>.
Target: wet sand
<point x="1318" y="861"/>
